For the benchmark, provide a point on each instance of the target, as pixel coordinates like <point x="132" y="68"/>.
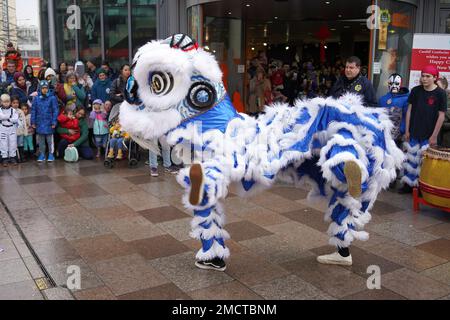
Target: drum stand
<point x="418" y="200"/>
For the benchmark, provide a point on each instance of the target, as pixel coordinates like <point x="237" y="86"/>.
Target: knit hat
<point x="100" y="71"/>
<point x="430" y="69"/>
<point x="43" y="83"/>
<point x="98" y="101"/>
<point x="49" y="72"/>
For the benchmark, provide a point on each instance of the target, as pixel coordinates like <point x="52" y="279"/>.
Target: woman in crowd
<point x="117" y="94"/>
<point x="29" y="77"/>
<point x="76" y="94"/>
<point x="62" y="72"/>
<point x="260" y="92"/>
<point x="82" y="144"/>
<point x="20" y="87"/>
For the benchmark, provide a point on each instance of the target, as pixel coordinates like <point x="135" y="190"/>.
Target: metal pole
<point x="130" y="37"/>
<point x="52" y="33"/>
<point x="102" y="28"/>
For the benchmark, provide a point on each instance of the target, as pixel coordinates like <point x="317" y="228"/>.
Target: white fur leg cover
<point x="209" y="218"/>
<point x="411" y="167"/>
<point x="344" y="211"/>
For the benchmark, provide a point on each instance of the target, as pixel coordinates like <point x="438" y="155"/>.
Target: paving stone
<point x="163" y="214"/>
<point x="127" y="274"/>
<point x="100" y="293"/>
<point x="59" y="294"/>
<point x="12" y="271"/>
<point x="134" y="228"/>
<point x="439" y="247"/>
<point x="403" y="233"/>
<point x="440" y="273"/>
<point x="25" y="290"/>
<point x="290" y="288"/>
<point x="241" y="231"/>
<point x="414" y="286"/>
<point x="157" y="247"/>
<point x="181" y="270"/>
<point x="164" y="292"/>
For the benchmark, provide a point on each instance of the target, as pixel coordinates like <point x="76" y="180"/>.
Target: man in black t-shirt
<point x="426" y="114"/>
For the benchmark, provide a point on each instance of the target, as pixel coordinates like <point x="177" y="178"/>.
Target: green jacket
<point x="81" y="95"/>
<point x="84" y="130"/>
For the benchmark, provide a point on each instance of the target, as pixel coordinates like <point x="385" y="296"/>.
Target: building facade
<point x="28" y="41"/>
<point x="8" y="23"/>
<point x="236" y="30"/>
<point x="96" y="29"/>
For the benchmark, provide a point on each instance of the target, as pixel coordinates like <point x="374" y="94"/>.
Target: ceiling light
<point x="276" y="18"/>
<point x="253" y="48"/>
<point x="327" y="2"/>
<point x="265" y="44"/>
<point x="247" y="5"/>
<point x="229" y="13"/>
<point x="287" y="48"/>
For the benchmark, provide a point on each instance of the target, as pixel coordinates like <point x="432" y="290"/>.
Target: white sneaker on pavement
<point x="335" y="259"/>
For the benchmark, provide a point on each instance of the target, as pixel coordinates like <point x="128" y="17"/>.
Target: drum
<point x="434" y="182"/>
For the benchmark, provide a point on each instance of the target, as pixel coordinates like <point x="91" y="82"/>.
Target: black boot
<point x="21" y="155"/>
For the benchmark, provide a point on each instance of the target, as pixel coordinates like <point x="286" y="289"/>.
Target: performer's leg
<point x="345" y="165"/>
<point x="207" y="186"/>
<point x="411" y="167"/>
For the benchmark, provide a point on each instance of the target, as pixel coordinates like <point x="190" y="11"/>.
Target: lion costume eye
<point x="161" y="83"/>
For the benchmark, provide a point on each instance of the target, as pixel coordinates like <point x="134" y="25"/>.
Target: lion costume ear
<point x="206" y="65"/>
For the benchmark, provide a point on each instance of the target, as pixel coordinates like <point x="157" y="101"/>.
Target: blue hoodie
<point x="44" y="111"/>
<point x="398" y="100"/>
<point x="101" y="90"/>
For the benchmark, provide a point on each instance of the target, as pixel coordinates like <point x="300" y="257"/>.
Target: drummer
<point x="424" y="119"/>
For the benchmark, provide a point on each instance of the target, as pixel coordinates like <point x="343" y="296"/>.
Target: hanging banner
<point x="385" y="21"/>
<point x="430" y="49"/>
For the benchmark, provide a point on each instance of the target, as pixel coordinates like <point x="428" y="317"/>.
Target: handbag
<point x="71" y="155"/>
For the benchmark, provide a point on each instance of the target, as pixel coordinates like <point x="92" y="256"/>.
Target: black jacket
<point x="360" y="86"/>
<point x="118" y="87"/>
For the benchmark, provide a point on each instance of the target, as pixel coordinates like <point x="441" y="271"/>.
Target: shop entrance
<point x="305" y="39"/>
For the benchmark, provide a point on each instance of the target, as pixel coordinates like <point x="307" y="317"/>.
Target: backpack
<point x="71" y="155"/>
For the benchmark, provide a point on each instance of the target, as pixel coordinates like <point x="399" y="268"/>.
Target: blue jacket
<point x="44" y="113"/>
<point x="22" y="95"/>
<point x="400" y="100"/>
<point x="101" y="90"/>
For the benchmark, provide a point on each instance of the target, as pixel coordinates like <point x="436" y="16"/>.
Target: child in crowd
<point x="44" y="118"/>
<point x="21" y="126"/>
<point x="8" y="127"/>
<point x="99" y="121"/>
<point x="28" y="146"/>
<point x="68" y="121"/>
<point x="117" y="138"/>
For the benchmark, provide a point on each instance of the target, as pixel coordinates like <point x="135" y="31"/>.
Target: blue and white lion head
<point x="172" y="80"/>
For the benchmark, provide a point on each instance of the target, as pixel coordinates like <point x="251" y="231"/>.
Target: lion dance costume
<point x="344" y="150"/>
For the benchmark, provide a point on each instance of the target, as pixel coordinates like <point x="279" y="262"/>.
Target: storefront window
<point x="45" y="37"/>
<point x="223" y="38"/>
<point x="66" y="39"/>
<point x="116" y="32"/>
<point x="143" y="24"/>
<point x="90" y="34"/>
<point x="393" y="43"/>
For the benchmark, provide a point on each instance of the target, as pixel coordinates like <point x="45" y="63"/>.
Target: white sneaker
<point x="335" y="259"/>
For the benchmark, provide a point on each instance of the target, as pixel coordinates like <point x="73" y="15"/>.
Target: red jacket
<point x="16" y="57"/>
<point x="67" y="123"/>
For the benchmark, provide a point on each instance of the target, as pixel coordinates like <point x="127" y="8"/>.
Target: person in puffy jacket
<point x="102" y="87"/>
<point x="67" y="120"/>
<point x="44" y="118"/>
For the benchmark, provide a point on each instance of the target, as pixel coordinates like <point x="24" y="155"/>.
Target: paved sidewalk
<point x="129" y="234"/>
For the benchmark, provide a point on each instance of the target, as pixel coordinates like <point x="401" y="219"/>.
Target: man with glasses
<point x="354" y="82"/>
<point x="424" y="119"/>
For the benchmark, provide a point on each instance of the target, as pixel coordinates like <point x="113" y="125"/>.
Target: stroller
<point x="131" y="148"/>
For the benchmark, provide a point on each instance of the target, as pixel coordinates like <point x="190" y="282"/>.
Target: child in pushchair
<point x="119" y="143"/>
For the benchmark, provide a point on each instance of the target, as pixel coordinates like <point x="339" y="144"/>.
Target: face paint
<point x="395" y="83"/>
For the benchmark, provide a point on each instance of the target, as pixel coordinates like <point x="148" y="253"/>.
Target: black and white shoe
<point x="215" y="264"/>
